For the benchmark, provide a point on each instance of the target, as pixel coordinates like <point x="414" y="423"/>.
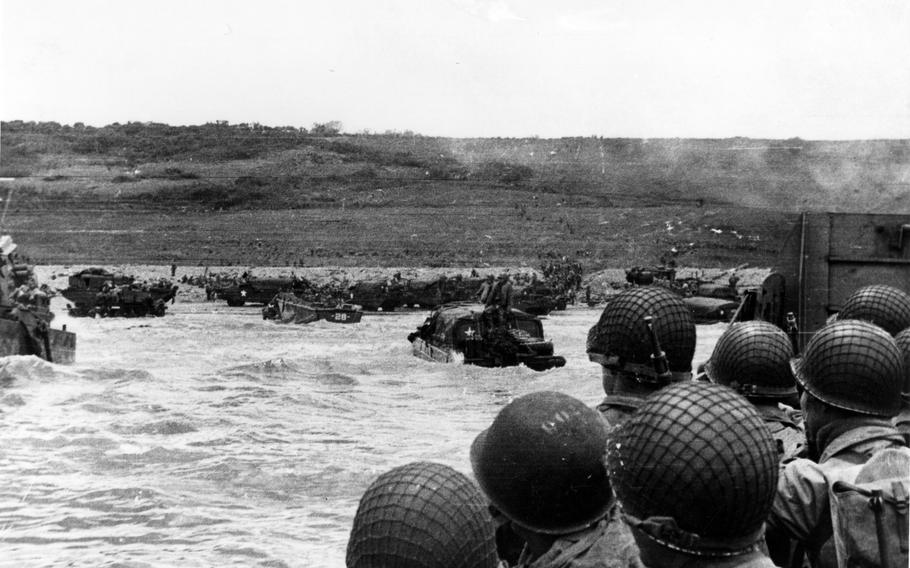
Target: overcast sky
<point x="825" y="69"/>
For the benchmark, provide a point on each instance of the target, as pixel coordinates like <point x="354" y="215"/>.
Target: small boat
<point x="464" y="332"/>
<point x="288" y="308"/>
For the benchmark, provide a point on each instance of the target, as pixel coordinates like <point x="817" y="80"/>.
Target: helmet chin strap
<point x="643" y="374"/>
<point x="666" y="532"/>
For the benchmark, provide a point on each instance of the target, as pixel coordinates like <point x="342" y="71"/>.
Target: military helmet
<point x="853" y="365"/>
<point x="885" y="306"/>
<point x="903" y="343"/>
<point x="621" y="339"/>
<point x="695" y="469"/>
<point x="422" y="515"/>
<point x="753" y="358"/>
<point x="541" y="463"/>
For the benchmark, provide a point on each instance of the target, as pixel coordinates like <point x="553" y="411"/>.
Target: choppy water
<point x="211" y="437"/>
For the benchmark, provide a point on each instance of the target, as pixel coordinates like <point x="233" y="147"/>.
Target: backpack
<point x="869" y="506"/>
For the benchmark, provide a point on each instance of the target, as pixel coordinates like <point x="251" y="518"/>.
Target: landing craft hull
<point x="826" y="258"/>
<point x="289" y="310"/>
<point x="16" y="340"/>
<point x="429" y="352"/>
<point x="339" y="315"/>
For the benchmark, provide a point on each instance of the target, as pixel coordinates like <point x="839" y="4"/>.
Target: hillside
<point x="221" y="194"/>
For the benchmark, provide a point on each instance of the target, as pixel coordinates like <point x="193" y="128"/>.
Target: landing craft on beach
<point x="465" y="332"/>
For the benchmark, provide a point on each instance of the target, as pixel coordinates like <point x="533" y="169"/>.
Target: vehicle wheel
<point x="235" y="303"/>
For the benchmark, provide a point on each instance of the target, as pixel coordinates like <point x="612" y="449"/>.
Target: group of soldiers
<point x="767" y="458"/>
<point x="498" y="297"/>
<point x="19" y="288"/>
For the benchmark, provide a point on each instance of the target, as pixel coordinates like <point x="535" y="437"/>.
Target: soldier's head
<point x="885" y="306"/>
<point x="849" y="368"/>
<point x="541" y="463"/>
<point x="753" y="358"/>
<point x="695" y="470"/>
<point x="422" y="515"/>
<point x="903" y="342"/>
<point x="621" y="341"/>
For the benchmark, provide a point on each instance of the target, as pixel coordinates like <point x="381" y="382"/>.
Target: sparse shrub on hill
<point x="209" y="196"/>
<point x="124" y="178"/>
<point x="171" y="174"/>
<point x="503" y="172"/>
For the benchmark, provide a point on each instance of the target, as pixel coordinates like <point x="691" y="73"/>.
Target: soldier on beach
<point x="485" y="289"/>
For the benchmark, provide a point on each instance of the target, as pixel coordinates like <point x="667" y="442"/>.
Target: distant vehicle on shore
<point x="288" y="308"/>
<point x="465" y="332"/>
<point x="98" y="292"/>
<point x="708" y="301"/>
<point x="254" y="290"/>
<point x="535" y="298"/>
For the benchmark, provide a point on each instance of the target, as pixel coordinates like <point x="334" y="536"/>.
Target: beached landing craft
<point x="288" y="308"/>
<point x="463" y="332"/>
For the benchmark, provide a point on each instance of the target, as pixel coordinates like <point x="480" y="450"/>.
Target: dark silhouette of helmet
<point x="885" y="306"/>
<point x="696" y="469"/>
<point x="541" y="463"/>
<point x="753" y="358"/>
<point x="422" y="515"/>
<point x="853" y="365"/>
<point x="903" y="343"/>
<point x="621" y="335"/>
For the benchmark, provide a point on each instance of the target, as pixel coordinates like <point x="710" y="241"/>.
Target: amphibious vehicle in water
<point x="96" y="291"/>
<point x="25" y="314"/>
<point x="288" y="308"/>
<point x="464" y="332"/>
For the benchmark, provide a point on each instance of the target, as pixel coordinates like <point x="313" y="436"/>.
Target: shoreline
<point x="603" y="282"/>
